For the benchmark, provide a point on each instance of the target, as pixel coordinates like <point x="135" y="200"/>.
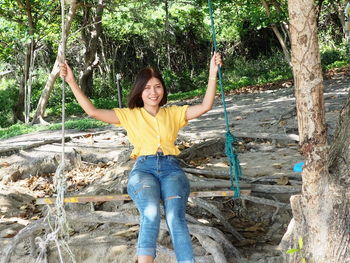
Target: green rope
<point x="235" y="168"/>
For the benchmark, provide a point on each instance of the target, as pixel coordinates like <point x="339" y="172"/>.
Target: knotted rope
<point x="235" y="168"/>
<point x="56" y="217"/>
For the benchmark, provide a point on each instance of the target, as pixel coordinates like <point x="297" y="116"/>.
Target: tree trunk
<point x="22" y="96"/>
<point x="90" y="35"/>
<point x="278" y="34"/>
<point x="321" y="212"/>
<point x="44" y="98"/>
<point x="346" y="22"/>
<point x="166" y="31"/>
<point x="19" y="107"/>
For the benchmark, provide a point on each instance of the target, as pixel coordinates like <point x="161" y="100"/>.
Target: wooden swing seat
<point x="119" y="197"/>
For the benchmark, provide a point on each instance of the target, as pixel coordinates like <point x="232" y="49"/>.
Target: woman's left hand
<point x="214" y="62"/>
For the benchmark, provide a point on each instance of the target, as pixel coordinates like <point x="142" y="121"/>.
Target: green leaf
<point x="293" y="250"/>
<point x="303" y="260"/>
<point x="300" y="241"/>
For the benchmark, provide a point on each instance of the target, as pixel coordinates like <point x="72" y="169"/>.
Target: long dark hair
<point x="135" y="99"/>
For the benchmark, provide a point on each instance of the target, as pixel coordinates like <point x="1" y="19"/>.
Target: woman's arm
<point x="108" y="116"/>
<point x="208" y="100"/>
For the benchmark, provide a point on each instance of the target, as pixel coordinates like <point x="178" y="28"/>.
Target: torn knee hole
<point x="173" y="197"/>
<point x="141" y="188"/>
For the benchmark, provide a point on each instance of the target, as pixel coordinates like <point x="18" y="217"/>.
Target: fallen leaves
<point x="77" y="179"/>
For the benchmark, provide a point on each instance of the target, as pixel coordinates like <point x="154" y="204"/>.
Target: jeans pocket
<point x="140" y="160"/>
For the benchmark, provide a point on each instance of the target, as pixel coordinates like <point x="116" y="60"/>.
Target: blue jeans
<point x="152" y="179"/>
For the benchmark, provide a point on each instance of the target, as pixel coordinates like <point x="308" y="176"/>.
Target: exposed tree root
<point x="211" y="238"/>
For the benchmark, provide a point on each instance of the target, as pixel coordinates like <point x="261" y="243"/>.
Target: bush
<point x="330" y="56"/>
<point x="8" y="97"/>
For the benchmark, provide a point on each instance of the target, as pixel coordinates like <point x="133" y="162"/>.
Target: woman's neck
<point x="152" y="110"/>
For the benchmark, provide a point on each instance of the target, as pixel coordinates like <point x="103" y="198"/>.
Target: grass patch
<point x="19" y="129"/>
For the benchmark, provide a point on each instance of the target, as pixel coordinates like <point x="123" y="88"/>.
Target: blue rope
<point x="235" y="168"/>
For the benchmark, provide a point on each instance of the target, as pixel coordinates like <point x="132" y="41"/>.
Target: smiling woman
<point x="149" y="85"/>
<point x="156" y="176"/>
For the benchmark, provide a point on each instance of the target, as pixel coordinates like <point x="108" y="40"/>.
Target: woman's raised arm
<point x="108" y="116"/>
<point x="197" y="110"/>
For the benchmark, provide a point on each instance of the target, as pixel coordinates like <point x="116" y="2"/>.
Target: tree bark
<point x="90" y="36"/>
<point x="321" y="212"/>
<point x="44" y="98"/>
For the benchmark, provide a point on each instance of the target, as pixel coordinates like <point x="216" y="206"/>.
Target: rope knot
<point x="229" y="145"/>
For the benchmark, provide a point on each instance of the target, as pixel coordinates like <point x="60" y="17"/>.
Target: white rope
<point x="56" y="217"/>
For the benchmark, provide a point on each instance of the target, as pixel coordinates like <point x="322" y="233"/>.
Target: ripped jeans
<point x="152" y="179"/>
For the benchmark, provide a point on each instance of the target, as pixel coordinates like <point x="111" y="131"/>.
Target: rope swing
<point x="235" y="168"/>
<point x="56" y="217"/>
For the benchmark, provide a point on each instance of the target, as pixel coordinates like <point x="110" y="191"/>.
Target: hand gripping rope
<point x="235" y="168"/>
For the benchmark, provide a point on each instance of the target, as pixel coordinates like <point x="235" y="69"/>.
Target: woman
<point x="156" y="175"/>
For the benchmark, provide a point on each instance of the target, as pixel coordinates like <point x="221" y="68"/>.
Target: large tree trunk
<point x="321" y="212"/>
<point x="90" y="35"/>
<point x="44" y="98"/>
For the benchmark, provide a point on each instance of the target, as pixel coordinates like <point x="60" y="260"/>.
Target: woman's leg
<point x="175" y="190"/>
<point x="145" y="259"/>
<point x="144" y="189"/>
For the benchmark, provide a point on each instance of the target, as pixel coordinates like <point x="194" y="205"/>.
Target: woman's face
<point x="153" y="93"/>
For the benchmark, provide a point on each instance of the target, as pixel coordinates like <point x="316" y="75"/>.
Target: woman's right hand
<point x="66" y="72"/>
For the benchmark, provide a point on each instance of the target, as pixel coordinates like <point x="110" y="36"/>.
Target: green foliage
<point x="71" y="109"/>
<point x="74" y="109"/>
<point x="241" y="72"/>
<point x="138" y="34"/>
<point x="330" y="55"/>
<point x="298" y="250"/>
<point x="19" y="129"/>
<point x="329" y="25"/>
<point x="8" y="96"/>
<point x="106" y="103"/>
<point x="82" y="124"/>
<point x="16" y="129"/>
<point x="337" y="64"/>
<point x="179" y="82"/>
<point x="15" y="32"/>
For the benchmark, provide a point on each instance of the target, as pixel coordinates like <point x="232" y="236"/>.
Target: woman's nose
<point x="153" y="90"/>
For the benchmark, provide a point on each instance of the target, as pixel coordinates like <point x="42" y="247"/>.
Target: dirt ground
<point x="263" y="120"/>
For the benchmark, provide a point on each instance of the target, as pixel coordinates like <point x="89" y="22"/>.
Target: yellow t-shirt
<point x="148" y="133"/>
